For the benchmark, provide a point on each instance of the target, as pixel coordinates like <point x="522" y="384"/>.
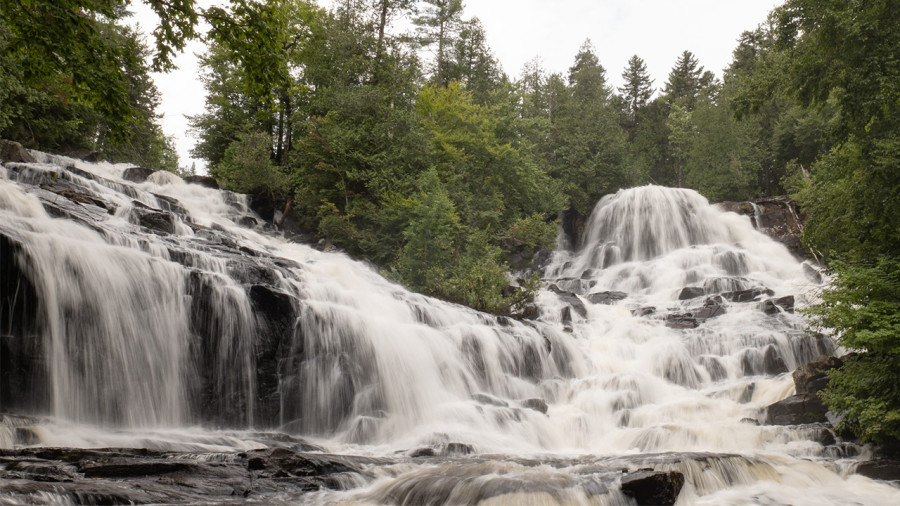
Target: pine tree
<point x="438" y="24"/>
<point x="638" y="87"/>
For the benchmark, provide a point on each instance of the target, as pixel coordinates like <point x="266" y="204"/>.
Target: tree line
<point x="416" y="151"/>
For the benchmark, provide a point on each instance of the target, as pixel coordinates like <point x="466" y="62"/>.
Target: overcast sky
<point x="519" y="30"/>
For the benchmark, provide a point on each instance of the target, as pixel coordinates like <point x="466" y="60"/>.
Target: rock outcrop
<point x="779" y="217"/>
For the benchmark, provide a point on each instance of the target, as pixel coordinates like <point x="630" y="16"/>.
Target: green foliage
<point x="74" y="78"/>
<point x="430" y="238"/>
<point x="863" y="308"/>
<point x="533" y="232"/>
<point x="247" y="166"/>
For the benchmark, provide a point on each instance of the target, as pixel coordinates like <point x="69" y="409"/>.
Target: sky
<point x="520" y="30"/>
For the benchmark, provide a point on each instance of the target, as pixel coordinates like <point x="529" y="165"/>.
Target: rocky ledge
<point x="779" y="217"/>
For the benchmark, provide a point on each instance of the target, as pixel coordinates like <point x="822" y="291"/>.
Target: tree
<point x="74" y="80"/>
<point x="267" y="41"/>
<point x="843" y="55"/>
<point x="587" y="143"/>
<point x="688" y="81"/>
<point x="637" y="90"/>
<point x="472" y="64"/>
<point x="863" y="308"/>
<point x="438" y="23"/>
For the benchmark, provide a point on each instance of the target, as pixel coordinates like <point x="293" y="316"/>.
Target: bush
<point x="863" y="308"/>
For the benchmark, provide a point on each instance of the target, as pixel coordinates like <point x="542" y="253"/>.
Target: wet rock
<point x="572" y="300"/>
<point x="128" y="468"/>
<point x="610" y="297"/>
<point x="811" y="378"/>
<point x="797" y="410"/>
<point x="881" y="469"/>
<point x="691" y="292"/>
<point x="714" y="367"/>
<point x="812" y="273"/>
<point x="643" y="311"/>
<point x="489" y="400"/>
<point x="746" y="295"/>
<point x="207" y="181"/>
<point x="275" y="316"/>
<point x="159" y="222"/>
<point x="653" y="487"/>
<point x="747" y="394"/>
<point x="750" y="421"/>
<point x="681" y="321"/>
<point x="775" y="306"/>
<point x="422" y="452"/>
<point x="137" y="174"/>
<point x="12" y="152"/>
<point x="458" y="449"/>
<point x="539" y="405"/>
<point x="24" y="383"/>
<point x="773" y="364"/>
<point x="309" y="464"/>
<point x="826" y="437"/>
<point x="711" y="308"/>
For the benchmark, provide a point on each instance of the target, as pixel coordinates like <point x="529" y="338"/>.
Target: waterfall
<point x="167" y="315"/>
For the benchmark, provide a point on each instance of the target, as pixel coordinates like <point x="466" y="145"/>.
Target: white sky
<point x="518" y="30"/>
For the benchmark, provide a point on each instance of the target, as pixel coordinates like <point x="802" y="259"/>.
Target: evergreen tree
<point x="438" y="24"/>
<point x="688" y="81"/>
<point x="637" y="90"/>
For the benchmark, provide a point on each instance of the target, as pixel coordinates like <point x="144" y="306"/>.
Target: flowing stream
<point x="167" y="316"/>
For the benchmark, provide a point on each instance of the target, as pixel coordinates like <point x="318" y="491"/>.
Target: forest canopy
<point x="415" y="150"/>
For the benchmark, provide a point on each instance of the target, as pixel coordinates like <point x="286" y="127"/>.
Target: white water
<point x="381" y="369"/>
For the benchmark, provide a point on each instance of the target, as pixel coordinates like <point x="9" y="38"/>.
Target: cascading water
<point x="136" y="312"/>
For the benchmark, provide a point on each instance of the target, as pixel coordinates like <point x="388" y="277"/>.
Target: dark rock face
<point x="207" y="181"/>
<point x="158" y="222"/>
<point x="811" y="378"/>
<point x="11" y="151"/>
<point x="127" y="476"/>
<point x="137" y="174"/>
<point x="653" y="487"/>
<point x="23" y="384"/>
<point x="881" y="469"/>
<point x="779" y="217"/>
<point x="797" y="410"/>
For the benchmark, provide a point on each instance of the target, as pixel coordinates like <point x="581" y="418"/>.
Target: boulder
<point x="539" y="405"/>
<point x="811" y="378"/>
<point x="775" y="306"/>
<point x="711" y="308"/>
<point x="610" y="297"/>
<point x="746" y="295"/>
<point x="422" y="452"/>
<point x="207" y="181"/>
<point x="11" y="151"/>
<point x="691" y="292"/>
<point x="681" y="321"/>
<point x="137" y="174"/>
<point x="643" y="311"/>
<point x="653" y="487"/>
<point x="571" y="299"/>
<point x="159" y="222"/>
<point x="458" y="449"/>
<point x="797" y="410"/>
